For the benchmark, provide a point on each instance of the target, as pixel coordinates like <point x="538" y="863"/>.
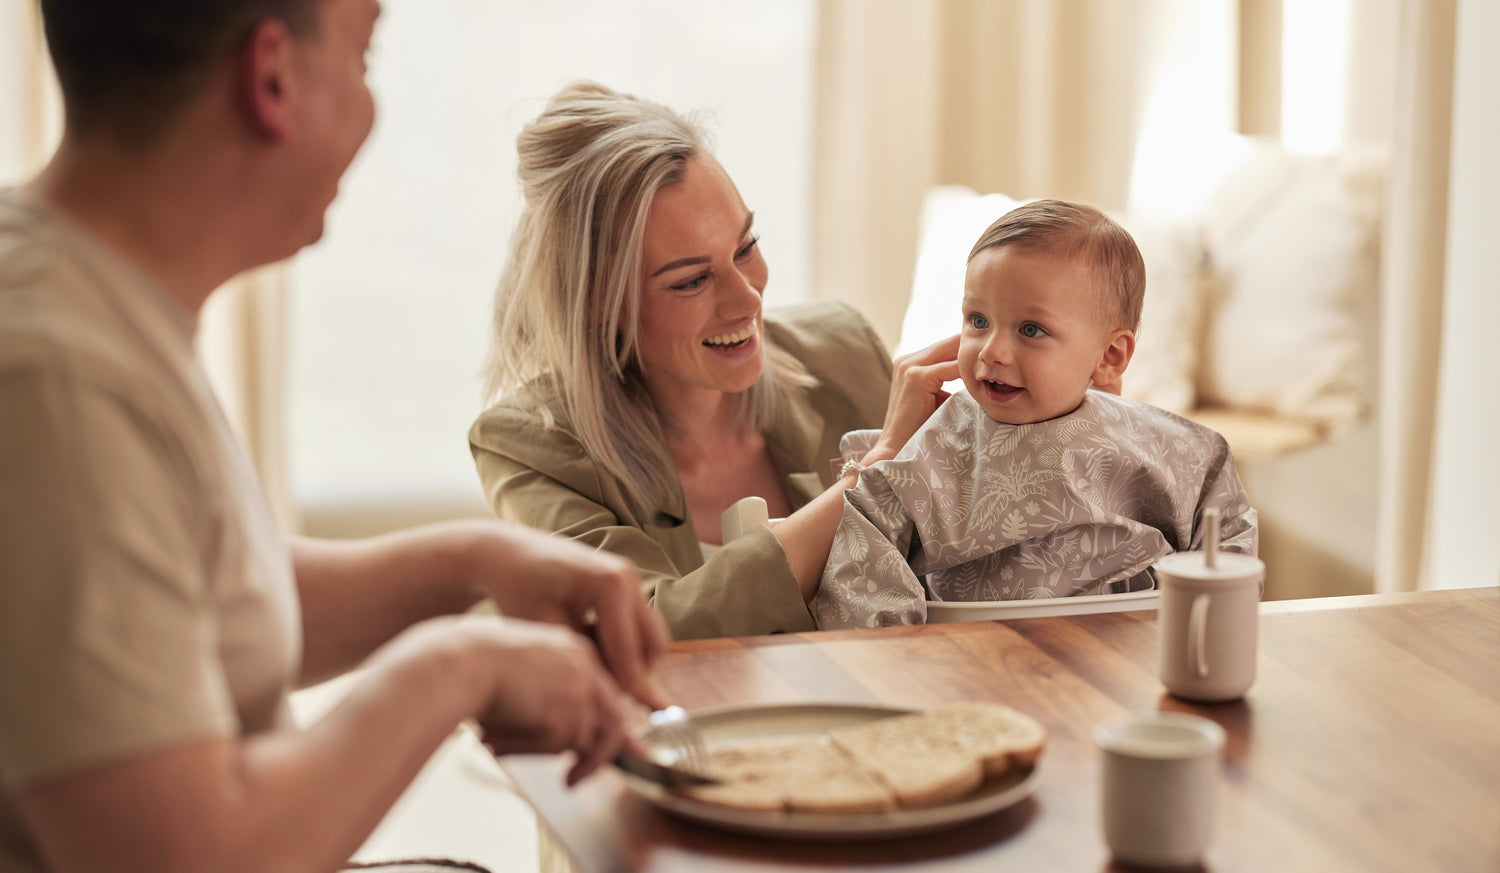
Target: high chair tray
<point x="992" y="610"/>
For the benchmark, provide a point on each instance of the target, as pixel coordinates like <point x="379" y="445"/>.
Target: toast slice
<point x="809" y="775"/>
<point x="752" y="796"/>
<point x="1003" y="737"/>
<point x="905" y="761"/>
<point x="925" y="777"/>
<point x="852" y="791"/>
<point x="809" y="757"/>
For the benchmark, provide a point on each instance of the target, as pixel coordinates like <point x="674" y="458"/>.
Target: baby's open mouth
<point x="1000" y="390"/>
<point x="732" y="340"/>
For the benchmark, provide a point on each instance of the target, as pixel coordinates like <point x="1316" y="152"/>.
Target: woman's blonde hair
<point x="589" y="167"/>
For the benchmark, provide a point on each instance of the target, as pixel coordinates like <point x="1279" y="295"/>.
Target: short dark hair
<point x="127" y="66"/>
<point x="1070" y="229"/>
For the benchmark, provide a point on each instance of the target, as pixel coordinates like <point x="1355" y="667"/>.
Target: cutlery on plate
<point x="672" y="730"/>
<point x="661" y="774"/>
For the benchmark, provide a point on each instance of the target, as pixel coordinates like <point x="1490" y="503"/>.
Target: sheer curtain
<point x="1412" y="308"/>
<point x="242" y="341"/>
<point x="29" y="110"/>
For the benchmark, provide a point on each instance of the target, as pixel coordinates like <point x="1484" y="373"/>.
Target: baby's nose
<point x="998" y="348"/>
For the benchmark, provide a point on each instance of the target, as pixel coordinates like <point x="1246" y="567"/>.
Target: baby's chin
<point x="1018" y="412"/>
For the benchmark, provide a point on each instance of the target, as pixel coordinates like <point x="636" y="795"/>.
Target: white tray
<point x="992" y="610"/>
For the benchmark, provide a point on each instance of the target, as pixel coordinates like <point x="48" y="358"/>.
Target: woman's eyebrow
<point x="680" y="262"/>
<point x="699" y="259"/>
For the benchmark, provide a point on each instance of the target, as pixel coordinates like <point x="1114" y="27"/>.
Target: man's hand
<point x="547" y="578"/>
<point x="550" y="693"/>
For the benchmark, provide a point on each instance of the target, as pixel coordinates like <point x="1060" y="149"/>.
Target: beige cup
<point x="1207" y="624"/>
<point x="1160" y="773"/>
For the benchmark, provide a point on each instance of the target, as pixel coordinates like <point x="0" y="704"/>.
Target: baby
<point x="1027" y="484"/>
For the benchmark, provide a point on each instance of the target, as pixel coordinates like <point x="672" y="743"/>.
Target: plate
<point x="738" y="724"/>
<point x="991" y="610"/>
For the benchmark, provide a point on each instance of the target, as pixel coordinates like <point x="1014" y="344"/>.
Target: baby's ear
<point x="1115" y="359"/>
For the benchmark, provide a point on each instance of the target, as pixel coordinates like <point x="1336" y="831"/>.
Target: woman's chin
<point x="740" y="374"/>
<point x="741" y="384"/>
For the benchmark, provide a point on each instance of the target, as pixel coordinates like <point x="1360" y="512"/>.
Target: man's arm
<point x="296" y="801"/>
<point x="358" y="594"/>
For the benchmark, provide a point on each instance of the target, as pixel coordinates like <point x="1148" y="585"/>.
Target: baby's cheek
<point x="968" y="356"/>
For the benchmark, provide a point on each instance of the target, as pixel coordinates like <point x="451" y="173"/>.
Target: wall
<point x="1464" y="531"/>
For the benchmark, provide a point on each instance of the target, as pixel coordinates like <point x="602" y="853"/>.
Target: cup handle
<point x="1197" y="652"/>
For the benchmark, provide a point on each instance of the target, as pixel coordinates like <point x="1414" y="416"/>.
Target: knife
<point x="661" y="774"/>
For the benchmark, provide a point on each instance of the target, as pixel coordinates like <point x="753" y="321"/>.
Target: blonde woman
<point x="640" y="390"/>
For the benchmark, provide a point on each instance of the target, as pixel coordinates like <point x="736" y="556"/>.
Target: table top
<point x="1370" y="740"/>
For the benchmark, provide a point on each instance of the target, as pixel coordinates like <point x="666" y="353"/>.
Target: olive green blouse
<point x="539" y="475"/>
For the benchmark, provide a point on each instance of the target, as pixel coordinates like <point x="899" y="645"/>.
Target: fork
<point x="672" y="729"/>
<point x="672" y="732"/>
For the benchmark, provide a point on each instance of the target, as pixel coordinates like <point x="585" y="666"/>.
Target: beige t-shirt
<point x="146" y="595"/>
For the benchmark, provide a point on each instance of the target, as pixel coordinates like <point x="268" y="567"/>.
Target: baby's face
<point x="1032" y="338"/>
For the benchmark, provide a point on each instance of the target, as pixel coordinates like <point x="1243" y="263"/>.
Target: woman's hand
<point x="548" y="578"/>
<point x="916" y="392"/>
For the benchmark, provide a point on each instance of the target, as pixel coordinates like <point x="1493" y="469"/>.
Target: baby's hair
<point x="1073" y="229"/>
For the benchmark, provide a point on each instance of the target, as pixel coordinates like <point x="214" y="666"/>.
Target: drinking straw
<point x="1211" y="538"/>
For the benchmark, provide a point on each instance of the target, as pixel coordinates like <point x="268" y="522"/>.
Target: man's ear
<point x="265" y="80"/>
<point x="1115" y="359"/>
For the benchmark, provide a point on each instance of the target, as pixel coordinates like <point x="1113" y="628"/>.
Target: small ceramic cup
<point x="1207" y="624"/>
<point x="1160" y="774"/>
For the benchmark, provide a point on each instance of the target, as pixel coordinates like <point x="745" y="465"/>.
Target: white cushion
<point x="1293" y="240"/>
<point x="1164" y="367"/>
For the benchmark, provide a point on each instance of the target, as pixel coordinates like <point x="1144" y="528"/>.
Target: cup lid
<point x="1230" y="565"/>
<point x="1161" y="735"/>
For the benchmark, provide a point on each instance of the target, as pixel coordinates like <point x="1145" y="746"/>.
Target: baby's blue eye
<point x="978" y="322"/>
<point x="1031" y="330"/>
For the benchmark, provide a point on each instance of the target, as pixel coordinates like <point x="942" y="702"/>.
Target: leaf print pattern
<point x="972" y="509"/>
<point x="1014" y="526"/>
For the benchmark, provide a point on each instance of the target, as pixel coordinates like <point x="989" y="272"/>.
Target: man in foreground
<point x="152" y="618"/>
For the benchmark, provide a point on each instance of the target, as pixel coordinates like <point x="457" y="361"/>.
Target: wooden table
<point x="1370" y="741"/>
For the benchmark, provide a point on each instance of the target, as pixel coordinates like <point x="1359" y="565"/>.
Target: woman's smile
<point x="736" y="341"/>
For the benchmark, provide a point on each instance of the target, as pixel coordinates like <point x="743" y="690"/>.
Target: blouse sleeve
<point x="541" y="477"/>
